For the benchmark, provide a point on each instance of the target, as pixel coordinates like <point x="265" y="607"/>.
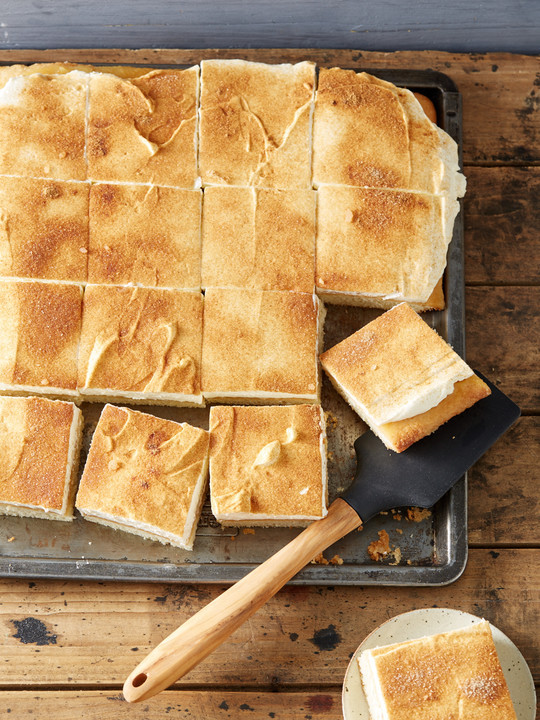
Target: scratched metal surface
<point x="433" y="551"/>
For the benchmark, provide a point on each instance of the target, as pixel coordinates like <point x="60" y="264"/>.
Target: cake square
<point x="144" y="129"/>
<point x="255" y="126"/>
<point x="142" y="345"/>
<point x="42" y="126"/>
<point x="260" y="346"/>
<point x="43" y="229"/>
<point x="392" y="245"/>
<point x="369" y="133"/>
<point x="145" y="476"/>
<point x="40" y="324"/>
<point x="145" y="235"/>
<point x="259" y="238"/>
<point x="401" y="377"/>
<point x="268" y="465"/>
<point x="39" y="445"/>
<point x="448" y="675"/>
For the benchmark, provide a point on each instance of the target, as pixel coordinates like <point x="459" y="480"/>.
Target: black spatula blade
<point x="428" y="469"/>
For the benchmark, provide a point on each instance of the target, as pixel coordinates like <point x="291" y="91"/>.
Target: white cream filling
<point x="426" y="400"/>
<point x="28" y="506"/>
<point x="258" y="394"/>
<point x="129" y="525"/>
<point x="105" y="392"/>
<point x="36" y="390"/>
<point x="372" y="687"/>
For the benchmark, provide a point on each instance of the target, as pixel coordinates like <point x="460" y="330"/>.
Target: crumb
<point x="320" y="560"/>
<point x="331" y="419"/>
<point x="330" y="455"/>
<point x="396" y="552"/>
<point x="248" y="531"/>
<point x="380" y="548"/>
<point x="359" y="529"/>
<point x="233" y="537"/>
<point x="383" y="512"/>
<point x="409" y="562"/>
<point x="336" y="560"/>
<point x="11" y="539"/>
<point x="396" y="515"/>
<point x="399" y="530"/>
<point x="416" y="514"/>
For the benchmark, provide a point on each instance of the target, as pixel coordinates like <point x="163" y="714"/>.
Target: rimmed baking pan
<point x="428" y="550"/>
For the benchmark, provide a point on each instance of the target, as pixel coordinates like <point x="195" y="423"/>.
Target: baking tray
<point x="433" y="551"/>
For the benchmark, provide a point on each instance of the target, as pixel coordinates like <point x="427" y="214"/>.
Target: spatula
<point x="384" y="479"/>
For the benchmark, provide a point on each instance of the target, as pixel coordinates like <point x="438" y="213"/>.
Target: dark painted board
<point x="453" y="25"/>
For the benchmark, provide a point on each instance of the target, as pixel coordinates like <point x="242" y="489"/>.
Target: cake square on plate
<point x="39" y="445"/>
<point x="260" y="346"/>
<point x="144" y="129"/>
<point x="448" y="675"/>
<point x="42" y="126"/>
<point x="43" y="229"/>
<point x="255" y="126"/>
<point x="392" y="245"/>
<point x="259" y="239"/>
<point x="146" y="476"/>
<point x="142" y="345"/>
<point x="39" y="337"/>
<point x="145" y="235"/>
<point x="401" y="377"/>
<point x="268" y="465"/>
<point x="369" y="133"/>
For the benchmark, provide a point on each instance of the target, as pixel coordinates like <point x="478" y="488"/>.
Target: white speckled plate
<point x="429" y="621"/>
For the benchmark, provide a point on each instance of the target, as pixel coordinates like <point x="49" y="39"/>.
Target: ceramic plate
<point x="429" y="621"/>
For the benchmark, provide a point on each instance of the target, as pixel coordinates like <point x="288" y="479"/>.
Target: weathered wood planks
<point x="94" y="634"/>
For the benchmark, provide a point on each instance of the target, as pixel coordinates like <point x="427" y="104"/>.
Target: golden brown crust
<point x="267" y="461"/>
<point x="43" y="229"/>
<point x="42" y="126"/>
<point x="141" y="340"/>
<point x="369" y="133"/>
<point x="403" y="433"/>
<point x="260" y="342"/>
<point x="39" y="336"/>
<point x="359" y="132"/>
<point x="35" y="438"/>
<point x="145" y="235"/>
<point x="256" y="123"/>
<point x="143" y="129"/>
<point x="390" y="242"/>
<point x="142" y="469"/>
<point x="259" y="239"/>
<point x="454" y="674"/>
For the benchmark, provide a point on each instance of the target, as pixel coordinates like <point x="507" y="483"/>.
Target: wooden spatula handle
<point x="211" y="626"/>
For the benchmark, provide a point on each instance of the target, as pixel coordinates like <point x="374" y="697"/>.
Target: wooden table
<point x="289" y="660"/>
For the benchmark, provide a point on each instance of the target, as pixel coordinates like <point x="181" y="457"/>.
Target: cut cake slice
<point x="146" y="476"/>
<point x="39" y="444"/>
<point x="268" y="465"/>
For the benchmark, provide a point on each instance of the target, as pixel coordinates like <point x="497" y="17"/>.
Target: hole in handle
<point x="139" y="680"/>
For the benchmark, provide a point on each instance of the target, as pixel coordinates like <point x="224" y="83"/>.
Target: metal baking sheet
<point x="433" y="551"/>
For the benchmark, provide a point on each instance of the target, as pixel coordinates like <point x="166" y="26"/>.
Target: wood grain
<point x="503" y="340"/>
<point x="185" y="704"/>
<point x="504" y="505"/>
<point x="501" y="99"/>
<point x="502" y="217"/>
<point x="301" y="637"/>
<point x="458" y="25"/>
